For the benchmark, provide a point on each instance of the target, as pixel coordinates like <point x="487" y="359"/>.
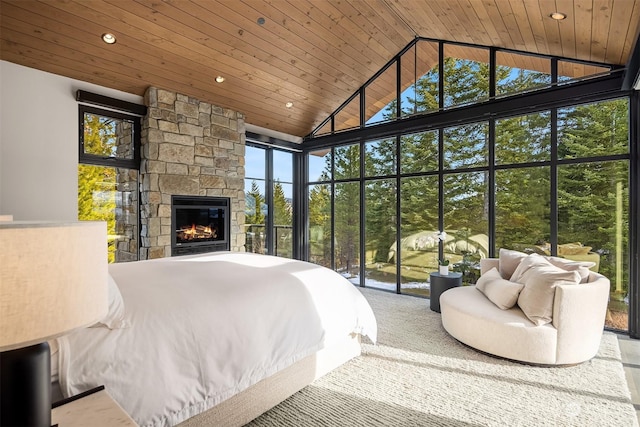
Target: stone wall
<point x="189" y="147"/>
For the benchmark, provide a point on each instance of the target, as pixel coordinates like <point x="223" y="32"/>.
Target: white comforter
<point x="205" y="327"/>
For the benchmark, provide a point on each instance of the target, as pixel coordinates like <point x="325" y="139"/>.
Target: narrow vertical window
<point x="282" y="204"/>
<point x="108" y="174"/>
<point x="255" y="200"/>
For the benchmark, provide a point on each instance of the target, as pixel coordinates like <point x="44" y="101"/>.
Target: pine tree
<point x="590" y="194"/>
<point x="282" y="209"/>
<point x="97" y="184"/>
<point x="523" y="195"/>
<point x="347" y="209"/>
<point x="255" y="218"/>
<point x="320" y="224"/>
<point x="380" y="218"/>
<point x="282" y="221"/>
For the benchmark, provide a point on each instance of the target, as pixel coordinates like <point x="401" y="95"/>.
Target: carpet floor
<point x="417" y="375"/>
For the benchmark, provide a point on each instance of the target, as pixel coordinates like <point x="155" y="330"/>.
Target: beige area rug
<point x="417" y="375"/>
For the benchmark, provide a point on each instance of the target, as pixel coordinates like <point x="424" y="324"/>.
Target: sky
<point x="255" y="168"/>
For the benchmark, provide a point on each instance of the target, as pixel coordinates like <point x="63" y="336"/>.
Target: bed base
<point x="264" y="395"/>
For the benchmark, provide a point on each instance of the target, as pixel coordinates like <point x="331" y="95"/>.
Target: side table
<point x="93" y="408"/>
<point x="439" y="283"/>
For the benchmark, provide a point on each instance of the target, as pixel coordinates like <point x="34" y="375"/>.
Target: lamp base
<point x="25" y="386"/>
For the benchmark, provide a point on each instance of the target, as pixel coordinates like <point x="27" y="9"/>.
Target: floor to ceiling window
<point x="320" y="211"/>
<point x="268" y="201"/>
<point x="346" y="196"/>
<point x="282" y="187"/>
<point x="255" y="211"/>
<point x="380" y="211"/>
<point x="552" y="180"/>
<point x="593" y="194"/>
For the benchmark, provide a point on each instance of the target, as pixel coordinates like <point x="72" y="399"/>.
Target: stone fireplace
<point x="189" y="148"/>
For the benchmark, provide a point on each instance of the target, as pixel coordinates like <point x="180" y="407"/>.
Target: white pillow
<point x="115" y="316"/>
<point x="490" y="275"/>
<point x="582" y="267"/>
<point x="508" y="261"/>
<point x="536" y="298"/>
<point x="525" y="264"/>
<point x="499" y="291"/>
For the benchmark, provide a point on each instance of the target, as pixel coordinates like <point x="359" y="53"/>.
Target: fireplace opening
<point x="199" y="224"/>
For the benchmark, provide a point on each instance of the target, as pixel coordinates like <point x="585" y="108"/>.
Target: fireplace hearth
<point x="199" y="224"/>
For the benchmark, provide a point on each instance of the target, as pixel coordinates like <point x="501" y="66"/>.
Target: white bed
<point x="224" y="335"/>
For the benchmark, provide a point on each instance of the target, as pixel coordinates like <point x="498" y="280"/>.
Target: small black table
<point x="440" y="283"/>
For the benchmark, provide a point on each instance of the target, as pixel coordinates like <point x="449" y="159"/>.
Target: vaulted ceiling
<point x="312" y="53"/>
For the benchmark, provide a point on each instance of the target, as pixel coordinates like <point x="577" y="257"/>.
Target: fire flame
<point x="196" y="232"/>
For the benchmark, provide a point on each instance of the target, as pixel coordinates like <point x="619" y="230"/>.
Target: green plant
<point x="469" y="267"/>
<point x="443" y="261"/>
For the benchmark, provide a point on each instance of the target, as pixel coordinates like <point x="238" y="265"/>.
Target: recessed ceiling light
<point x="108" y="38"/>
<point x="289" y="104"/>
<point x="261" y="21"/>
<point x="558" y="16"/>
<point x="219" y="79"/>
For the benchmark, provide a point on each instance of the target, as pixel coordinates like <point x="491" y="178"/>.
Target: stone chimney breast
<point x="189" y="147"/>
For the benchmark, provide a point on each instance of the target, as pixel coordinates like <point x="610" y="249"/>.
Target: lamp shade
<point x="53" y="279"/>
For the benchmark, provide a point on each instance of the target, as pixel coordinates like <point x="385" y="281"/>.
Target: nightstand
<point x="92" y="408"/>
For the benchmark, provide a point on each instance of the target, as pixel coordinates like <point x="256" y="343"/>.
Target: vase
<point x="443" y="269"/>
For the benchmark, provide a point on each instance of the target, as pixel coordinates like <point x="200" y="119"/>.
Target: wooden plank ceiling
<point x="313" y="53"/>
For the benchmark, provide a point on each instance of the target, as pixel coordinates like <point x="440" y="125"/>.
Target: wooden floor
<point x="630" y="349"/>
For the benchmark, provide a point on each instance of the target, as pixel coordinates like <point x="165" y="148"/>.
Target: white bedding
<point x="205" y="327"/>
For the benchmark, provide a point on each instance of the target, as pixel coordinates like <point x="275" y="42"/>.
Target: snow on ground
<point x="370" y="283"/>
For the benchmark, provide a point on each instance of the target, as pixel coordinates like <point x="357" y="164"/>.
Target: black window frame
<point x="94" y="159"/>
<point x="596" y="89"/>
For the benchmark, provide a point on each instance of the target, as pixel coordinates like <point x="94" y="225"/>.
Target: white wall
<point x="39" y="136"/>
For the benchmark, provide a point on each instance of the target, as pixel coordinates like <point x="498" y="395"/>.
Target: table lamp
<point x="53" y="279"/>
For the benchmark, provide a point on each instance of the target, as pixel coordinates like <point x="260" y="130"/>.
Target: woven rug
<point x="417" y="375"/>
